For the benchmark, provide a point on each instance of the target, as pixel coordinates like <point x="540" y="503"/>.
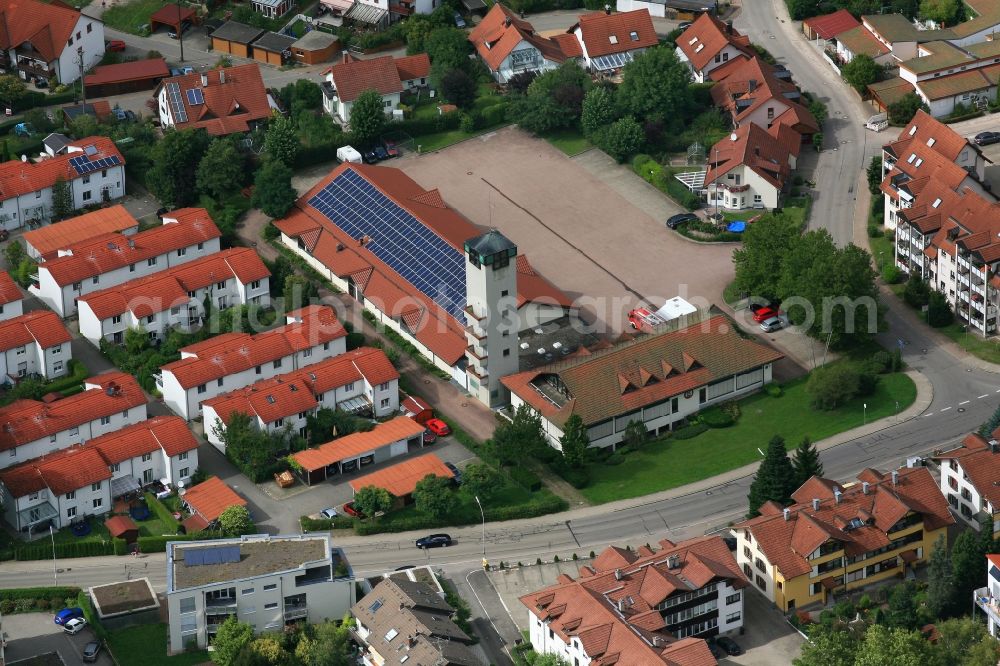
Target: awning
<point x="613" y="61"/>
<point x="909" y="556"/>
<point x="367" y="14"/>
<point x="354" y="405"/>
<point x="339" y="5"/>
<point x="36" y="514"/>
<point x="124" y="485"/>
<point x="829" y="583"/>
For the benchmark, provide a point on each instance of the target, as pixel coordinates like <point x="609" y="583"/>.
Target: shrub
<point x="831" y="386"/>
<point x="467" y="123"/>
<point x="891" y="274"/>
<point x="774" y="390"/>
<point x="715" y="417"/>
<point x="881" y="360"/>
<point x="614" y="459"/>
<point x="525" y="478"/>
<point x="875" y="231"/>
<point x="15" y="594"/>
<point x="7" y="606"/>
<point x="693" y="430"/>
<point x="578" y="477"/>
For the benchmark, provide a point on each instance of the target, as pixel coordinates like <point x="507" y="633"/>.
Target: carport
<point x="401" y="479"/>
<point x="126" y="77"/>
<point x="235" y="38"/>
<point x="171" y="17"/>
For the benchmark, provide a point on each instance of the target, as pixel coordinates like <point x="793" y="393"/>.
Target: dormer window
<point x="613" y="39"/>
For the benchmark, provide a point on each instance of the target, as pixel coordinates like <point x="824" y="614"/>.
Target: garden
<point x="146" y="644"/>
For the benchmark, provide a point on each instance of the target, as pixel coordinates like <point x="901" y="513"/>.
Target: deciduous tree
<point x="861" y="71"/>
<point x="448" y="49"/>
<point x="12" y="89"/>
<point x="574" y="441"/>
<point x="434" y="497"/>
<point x="458" y="88"/>
<point x="624" y="137"/>
<point x="939" y="312"/>
<point x="831" y="386"/>
<point x="175" y="158"/>
<point x="758" y="262"/>
<point x="775" y="478"/>
<point x="902" y="111"/>
<point x="598" y="109"/>
<point x="221" y="169"/>
<point x="656" y="85"/>
<point x="828" y="646"/>
<point x="281" y="142"/>
<point x="231" y="638"/>
<point x="273" y="193"/>
<point x="235" y="521"/>
<point x="945" y="12"/>
<point x="884" y="646"/>
<point x="370" y="500"/>
<point x="367" y="117"/>
<point x="481" y="480"/>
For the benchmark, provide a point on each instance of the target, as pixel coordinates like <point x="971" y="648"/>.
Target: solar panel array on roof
<point x="613" y="61"/>
<point x="416" y="253"/>
<point x="83" y="165"/>
<point x="176" y="103"/>
<point x="195" y="96"/>
<point x="194" y="557"/>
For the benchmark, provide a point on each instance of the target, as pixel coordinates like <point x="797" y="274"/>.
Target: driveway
<point x="588" y="225"/>
<point x="32" y="634"/>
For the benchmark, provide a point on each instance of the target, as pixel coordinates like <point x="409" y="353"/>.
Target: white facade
<point x="62" y="298"/>
<point x="742" y="187"/>
<point x="11" y="310"/>
<point x="655" y="9"/>
<point x="86" y="190"/>
<point x="725" y="54"/>
<point x="523" y="58"/>
<point x="87" y="35"/>
<point x="310" y="591"/>
<point x="90" y="500"/>
<point x="32" y="359"/>
<point x="754" y="563"/>
<point x="963" y="498"/>
<point x="341" y="110"/>
<point x="157" y="466"/>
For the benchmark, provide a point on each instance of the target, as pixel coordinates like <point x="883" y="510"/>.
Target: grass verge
<point x="988" y="349"/>
<point x="570" y="141"/>
<point x="668" y="463"/>
<point x="436" y="141"/>
<point x="130" y="16"/>
<point x="147" y="644"/>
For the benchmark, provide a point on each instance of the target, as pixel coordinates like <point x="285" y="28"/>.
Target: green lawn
<point x="987" y="349"/>
<point x="668" y="463"/>
<point x="147" y="644"/>
<point x="571" y="141"/>
<point x="439" y="140"/>
<point x="129" y="17"/>
<point x="467" y="511"/>
<point x="882" y="251"/>
<point x="98" y="532"/>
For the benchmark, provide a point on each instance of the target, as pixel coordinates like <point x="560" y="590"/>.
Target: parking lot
<point x="599" y="238"/>
<point x="32" y="634"/>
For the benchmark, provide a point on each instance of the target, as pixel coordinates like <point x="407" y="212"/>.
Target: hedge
<point x="714" y="417"/>
<point x="32" y="99"/>
<point x="158" y="544"/>
<point x="43" y="551"/>
<point x="83" y="601"/>
<point x="525" y="478"/>
<point x="161" y="511"/>
<point x="578" y="477"/>
<point x="15" y="593"/>
<point x="690" y="431"/>
<point x="536" y="507"/>
<point x="37" y="599"/>
<point x="77" y="373"/>
<point x="326" y="524"/>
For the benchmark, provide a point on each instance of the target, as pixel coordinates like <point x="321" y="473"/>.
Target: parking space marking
<point x="983" y="396"/>
<point x="964" y="402"/>
<point x="946" y="409"/>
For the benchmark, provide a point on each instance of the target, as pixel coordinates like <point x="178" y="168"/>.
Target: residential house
<point x="968" y="479"/>
<point x="752" y="91"/>
<point x="92" y="167"/>
<point x="113" y="259"/>
<point x="509" y="45"/>
<point x="658" y="380"/>
<point x="361" y="381"/>
<point x="36" y="343"/>
<point x="46" y="41"/>
<point x="680" y="10"/>
<point x="175" y="297"/>
<point x="387" y="75"/>
<point x="709" y="43"/>
<point x="838" y="538"/>
<point x="32" y="428"/>
<point x="235" y="360"/>
<point x="46" y="241"/>
<point x="401" y="620"/>
<point x="359" y="450"/>
<point x="827" y="26"/>
<point x="401" y="479"/>
<point x="207" y="501"/>
<point x="423" y="300"/>
<point x="67" y="485"/>
<point x="609" y="41"/>
<point x="751" y="167"/>
<point x="11" y="299"/>
<point x="221" y="101"/>
<point x="988" y="598"/>
<point x="644" y="607"/>
<point x="860" y="41"/>
<point x="262" y="580"/>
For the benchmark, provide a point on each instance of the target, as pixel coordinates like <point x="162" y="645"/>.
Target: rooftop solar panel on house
<point x="416" y="253"/>
<point x="195" y="96"/>
<point x="176" y="103"/>
<point x="194" y="557"/>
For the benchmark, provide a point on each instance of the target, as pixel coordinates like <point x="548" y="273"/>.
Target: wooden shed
<point x="122" y="527"/>
<point x="235" y="38"/>
<point x="271" y="48"/>
<point x="315" y="47"/>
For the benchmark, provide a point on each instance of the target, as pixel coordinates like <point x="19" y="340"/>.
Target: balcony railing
<point x="296" y="612"/>
<point x="219" y="606"/>
<point x="987" y="602"/>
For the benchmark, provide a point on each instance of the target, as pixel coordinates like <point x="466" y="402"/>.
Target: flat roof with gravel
<point x="123" y="597"/>
<point x="257" y="557"/>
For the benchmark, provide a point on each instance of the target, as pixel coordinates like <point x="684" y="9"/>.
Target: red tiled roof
<point x="26" y="421"/>
<point x="169" y="288"/>
<point x="357" y="444"/>
<point x="401" y="479"/>
<point x="612" y="610"/>
<point x="48" y="26"/>
<point x="654" y="367"/>
<point x="112" y="251"/>
<point x="930" y="131"/>
<point x="502" y="30"/>
<point x="211" y="497"/>
<point x="980" y="464"/>
<point x="138" y="70"/>
<point x="707" y="36"/>
<point x="787" y="544"/>
<point x="605" y="34"/>
<point x="569" y="45"/>
<point x="355" y="76"/>
<point x="51" y="238"/>
<point x="440" y="332"/>
<point x="61" y="472"/>
<point x="119" y="525"/>
<point x="171" y="14"/>
<point x="413" y="67"/>
<point x="9" y="291"/>
<point x="167" y="433"/>
<point x="268" y="400"/>
<point x="830" y="25"/>
<point x="752" y="146"/>
<point x="17" y="177"/>
<point x="235" y="96"/>
<point x="39" y="326"/>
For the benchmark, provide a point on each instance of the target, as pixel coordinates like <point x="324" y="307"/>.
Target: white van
<point x="348" y="154"/>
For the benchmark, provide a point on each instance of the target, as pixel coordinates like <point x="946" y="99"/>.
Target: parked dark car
<point x="456" y="471"/>
<point x="987" y="138"/>
<point x="375" y="155"/>
<point x="677" y="220"/>
<point x="90" y="651"/>
<point x="728" y="645"/>
<point x="41" y="82"/>
<point x="434" y="541"/>
<point x="459" y="21"/>
<point x="429" y="437"/>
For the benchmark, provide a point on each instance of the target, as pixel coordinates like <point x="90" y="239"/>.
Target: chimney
<point x="401" y="605"/>
<point x="618" y="574"/>
<point x="506" y="22"/>
<point x="729" y="27"/>
<point x="815" y="504"/>
<point x="786" y="513"/>
<point x="674" y="562"/>
<point x="994" y="446"/>
<point x="621" y="605"/>
<point x="204" y="80"/>
<point x="222" y="76"/>
<point x="895" y="477"/>
<point x="347" y="56"/>
<point x="657" y="641"/>
<point x="864" y="487"/>
<point x="607" y="10"/>
<point x="131" y="243"/>
<point x="836" y="496"/>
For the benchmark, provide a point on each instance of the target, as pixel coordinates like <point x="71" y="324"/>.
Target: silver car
<point x="772" y="324"/>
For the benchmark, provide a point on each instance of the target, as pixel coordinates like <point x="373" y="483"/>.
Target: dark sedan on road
<point x="677" y="220"/>
<point x="987" y="138"/>
<point x="728" y="645"/>
<point x="434" y="541"/>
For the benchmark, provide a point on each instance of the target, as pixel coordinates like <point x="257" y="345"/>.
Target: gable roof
<point x="47" y="26"/>
<point x="9" y="291"/>
<point x="211" y="497"/>
<point x="61" y="472"/>
<point x="980" y="463"/>
<point x="787" y="544"/>
<point x="234" y="98"/>
<point x="26" y="421"/>
<point x="353" y="77"/>
<point x="752" y="146"/>
<point x="830" y="25"/>
<point x="17" y="177"/>
<point x="401" y="479"/>
<point x="169" y="434"/>
<point x="43" y="327"/>
<point x="49" y="239"/>
<point x="605" y="34"/>
<point x="502" y="30"/>
<point x="413" y="67"/>
<point x="859" y="41"/>
<point x="640" y="372"/>
<point x="707" y="36"/>
<point x="128" y="71"/>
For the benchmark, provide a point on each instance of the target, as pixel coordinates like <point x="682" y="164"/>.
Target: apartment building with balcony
<point x="42" y="40"/>
<point x="968" y="479"/>
<point x="264" y="581"/>
<point x="232" y="361"/>
<point x="36" y="343"/>
<point x="987" y="599"/>
<point x="175" y="297"/>
<point x="32" y="428"/>
<point x="109" y="260"/>
<point x="839" y="538"/>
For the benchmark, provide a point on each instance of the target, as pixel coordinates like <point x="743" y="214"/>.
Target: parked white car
<point x="75" y="625"/>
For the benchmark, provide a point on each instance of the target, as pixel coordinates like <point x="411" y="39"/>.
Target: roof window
<point x="693" y="40"/>
<point x="634" y="36"/>
<point x="937" y="202"/>
<point x="919" y="161"/>
<point x="700" y="47"/>
<point x="909" y="160"/>
<point x="913" y="130"/>
<point x="931" y="141"/>
<point x="613" y="39"/>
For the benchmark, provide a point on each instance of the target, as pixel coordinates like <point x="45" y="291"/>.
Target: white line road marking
<point x="963" y="403"/>
<point x="946" y="409"/>
<point x="983" y="396"/>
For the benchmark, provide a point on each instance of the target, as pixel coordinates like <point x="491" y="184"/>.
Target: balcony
<point x="473" y="314"/>
<point x="734" y="188"/>
<point x="220" y="606"/>
<point x="33" y="68"/>
<point x="401" y="9"/>
<point x="475" y="331"/>
<point x="988" y="604"/>
<point x="478" y="353"/>
<point x="296" y="612"/>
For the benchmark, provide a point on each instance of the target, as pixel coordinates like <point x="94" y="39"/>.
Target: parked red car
<point x="351" y="511"/>
<point x="114" y="45"/>
<point x="438" y="427"/>
<point x="764" y="313"/>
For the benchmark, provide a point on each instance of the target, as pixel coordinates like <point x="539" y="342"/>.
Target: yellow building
<point x="835" y="538"/>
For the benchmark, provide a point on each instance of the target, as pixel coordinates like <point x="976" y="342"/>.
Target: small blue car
<point x="67" y="614"/>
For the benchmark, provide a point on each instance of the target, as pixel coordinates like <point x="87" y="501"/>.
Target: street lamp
<point x="864" y="413"/>
<point x="483" y="514"/>
<point x="55" y="574"/>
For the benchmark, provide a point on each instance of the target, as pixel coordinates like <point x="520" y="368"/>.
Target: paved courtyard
<point x="599" y="238"/>
<point x="32" y="634"/>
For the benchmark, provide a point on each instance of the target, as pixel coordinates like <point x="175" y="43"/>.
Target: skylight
<point x="700" y="47"/>
<point x="613" y="39"/>
<point x="913" y="130"/>
<point x="389" y="635"/>
<point x="931" y="141"/>
<point x="634" y="36"/>
<point x="693" y="40"/>
<point x="909" y="160"/>
<point x="937" y="202"/>
<point x="919" y="161"/>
